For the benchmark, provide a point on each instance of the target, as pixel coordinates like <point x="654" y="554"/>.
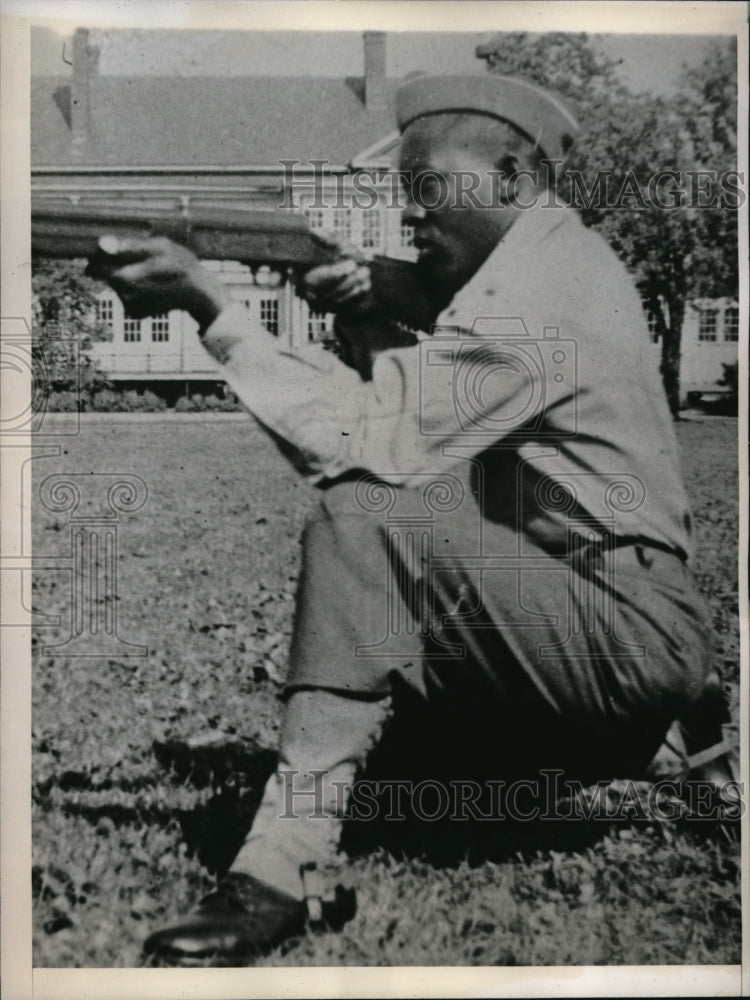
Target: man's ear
<point x="507" y="167"/>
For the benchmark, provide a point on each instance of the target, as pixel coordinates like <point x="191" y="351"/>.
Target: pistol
<point x="279" y="239"/>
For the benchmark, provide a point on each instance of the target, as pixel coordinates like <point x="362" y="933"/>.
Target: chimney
<point x="376" y="96"/>
<point x="85" y="66"/>
<point x="486" y="50"/>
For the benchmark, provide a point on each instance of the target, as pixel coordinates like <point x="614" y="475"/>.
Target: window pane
<point x="160" y="328"/>
<point x="269" y="315"/>
<point x="105" y="314"/>
<point x="315" y="218"/>
<point x="371" y="228"/>
<point x="342" y="223"/>
<point x="731" y="323"/>
<point x="653" y="323"/>
<point x="407" y="235"/>
<point x="317" y="325"/>
<point x="131" y="330"/>
<point x="707" y="326"/>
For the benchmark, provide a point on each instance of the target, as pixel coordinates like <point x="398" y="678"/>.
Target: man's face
<point x="451" y="184"/>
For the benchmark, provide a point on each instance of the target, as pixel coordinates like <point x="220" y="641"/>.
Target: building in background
<point x="709" y="342"/>
<point x="218" y="142"/>
<point x="196" y="142"/>
<point x="710" y="338"/>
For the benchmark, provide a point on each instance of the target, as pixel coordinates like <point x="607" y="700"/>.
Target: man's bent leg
<point x="617" y="651"/>
<point x="349" y="600"/>
<point x="337" y="700"/>
<point x="324" y="740"/>
<point x="336" y="706"/>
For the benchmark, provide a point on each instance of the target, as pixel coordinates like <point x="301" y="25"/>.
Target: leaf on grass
<point x="143" y="906"/>
<point x="57" y="923"/>
<point x="587" y="892"/>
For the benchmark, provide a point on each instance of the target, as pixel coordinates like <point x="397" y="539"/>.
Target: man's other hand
<point x="342" y="286"/>
<point x="156" y="275"/>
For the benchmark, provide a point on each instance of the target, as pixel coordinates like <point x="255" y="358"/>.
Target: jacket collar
<point x="513" y="260"/>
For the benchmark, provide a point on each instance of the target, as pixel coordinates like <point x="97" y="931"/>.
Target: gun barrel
<point x="246" y="235"/>
<point x="250" y="236"/>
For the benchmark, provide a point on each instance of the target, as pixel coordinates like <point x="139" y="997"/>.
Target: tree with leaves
<point x="64" y="327"/>
<point x="674" y="250"/>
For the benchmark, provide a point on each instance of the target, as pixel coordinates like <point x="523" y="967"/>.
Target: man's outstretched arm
<point x="316" y="406"/>
<point x="325" y="417"/>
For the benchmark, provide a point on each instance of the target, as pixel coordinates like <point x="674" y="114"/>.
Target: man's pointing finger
<point x="114" y="253"/>
<point x="126" y="251"/>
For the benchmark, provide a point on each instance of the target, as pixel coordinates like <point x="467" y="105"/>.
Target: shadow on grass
<point x="413" y="754"/>
<point x="472" y="811"/>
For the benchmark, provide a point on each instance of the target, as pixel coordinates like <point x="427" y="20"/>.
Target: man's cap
<point x="539" y="114"/>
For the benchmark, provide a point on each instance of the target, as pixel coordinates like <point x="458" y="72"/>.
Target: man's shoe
<point x="241" y="919"/>
<point x="700" y="745"/>
<point x="711" y="739"/>
<point x="245" y="917"/>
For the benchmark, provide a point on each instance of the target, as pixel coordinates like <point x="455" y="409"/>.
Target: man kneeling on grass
<point x="503" y="530"/>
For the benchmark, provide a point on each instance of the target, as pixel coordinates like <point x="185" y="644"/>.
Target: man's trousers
<point x="578" y="660"/>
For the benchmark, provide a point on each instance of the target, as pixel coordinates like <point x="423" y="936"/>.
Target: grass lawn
<point x="207" y="574"/>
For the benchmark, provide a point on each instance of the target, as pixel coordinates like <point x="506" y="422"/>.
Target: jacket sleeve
<point x="398" y="425"/>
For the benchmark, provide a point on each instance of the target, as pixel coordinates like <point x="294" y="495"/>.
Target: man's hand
<point x="342" y="286"/>
<point x="155" y="275"/>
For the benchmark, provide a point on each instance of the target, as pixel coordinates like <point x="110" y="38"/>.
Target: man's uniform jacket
<point x="528" y="439"/>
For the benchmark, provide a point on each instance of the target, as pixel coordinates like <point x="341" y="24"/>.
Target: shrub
<point x="150" y="402"/>
<point x="130" y="401"/>
<point x="731" y="381"/>
<point x="222" y="405"/>
<point x="731" y="377"/>
<point x="110" y="400"/>
<point x="105" y="400"/>
<point x="63" y="401"/>
<point x="186" y="404"/>
<point x="198" y="403"/>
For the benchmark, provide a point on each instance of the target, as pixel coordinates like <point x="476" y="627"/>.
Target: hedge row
<point x="132" y="401"/>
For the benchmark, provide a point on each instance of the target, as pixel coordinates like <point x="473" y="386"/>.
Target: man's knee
<point x="342" y="500"/>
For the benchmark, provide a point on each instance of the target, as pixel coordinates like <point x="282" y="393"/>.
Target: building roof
<point x="223" y="121"/>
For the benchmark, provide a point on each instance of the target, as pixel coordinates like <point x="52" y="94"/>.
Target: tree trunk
<point x="670" y="353"/>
